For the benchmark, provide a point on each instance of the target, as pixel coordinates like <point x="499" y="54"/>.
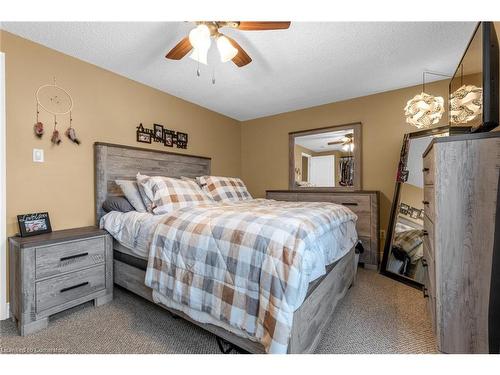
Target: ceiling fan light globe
<point x="226" y="50"/>
<point x="199" y="55"/>
<point x="199" y="37"/>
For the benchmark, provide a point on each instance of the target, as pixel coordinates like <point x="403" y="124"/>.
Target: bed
<point x="130" y="265"/>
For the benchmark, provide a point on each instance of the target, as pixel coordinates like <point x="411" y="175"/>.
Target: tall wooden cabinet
<point x="461" y="176"/>
<point x="365" y="204"/>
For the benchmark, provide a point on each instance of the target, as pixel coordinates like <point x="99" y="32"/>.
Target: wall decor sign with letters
<point x="33" y="224"/>
<point x="160" y="134"/>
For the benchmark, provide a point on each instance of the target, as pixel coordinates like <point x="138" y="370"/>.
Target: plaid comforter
<point x="244" y="263"/>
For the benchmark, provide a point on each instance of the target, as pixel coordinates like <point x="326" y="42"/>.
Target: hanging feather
<point x="38" y="128"/>
<point x="56" y="139"/>
<point x="71" y="134"/>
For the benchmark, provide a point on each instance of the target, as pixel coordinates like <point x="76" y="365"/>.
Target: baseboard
<point x="5" y="313"/>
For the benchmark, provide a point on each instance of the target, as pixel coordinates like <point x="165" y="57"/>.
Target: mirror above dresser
<point x="326" y="158"/>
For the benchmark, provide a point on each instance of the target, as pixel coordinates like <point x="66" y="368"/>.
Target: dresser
<point x="52" y="272"/>
<point x="365" y="204"/>
<point x="461" y="176"/>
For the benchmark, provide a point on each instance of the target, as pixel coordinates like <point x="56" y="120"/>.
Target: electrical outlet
<point x="38" y="155"/>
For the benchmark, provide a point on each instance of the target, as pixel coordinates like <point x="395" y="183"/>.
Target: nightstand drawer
<point x="61" y="289"/>
<point x="69" y="256"/>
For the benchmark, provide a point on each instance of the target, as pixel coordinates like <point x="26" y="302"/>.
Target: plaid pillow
<point x="224" y="188"/>
<point x="170" y="194"/>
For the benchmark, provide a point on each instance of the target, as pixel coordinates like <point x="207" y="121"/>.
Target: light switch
<point x="38" y="155"/>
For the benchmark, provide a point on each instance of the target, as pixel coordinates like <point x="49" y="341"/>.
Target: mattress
<point x="133" y="232"/>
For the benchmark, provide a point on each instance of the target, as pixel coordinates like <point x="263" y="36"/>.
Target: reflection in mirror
<point x="404" y="251"/>
<point x="325" y="158"/>
<point x="466" y="92"/>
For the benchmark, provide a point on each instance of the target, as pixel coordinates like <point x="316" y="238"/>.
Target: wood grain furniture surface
<point x="365" y="204"/>
<point x="461" y="176"/>
<point x="309" y="321"/>
<point x="52" y="272"/>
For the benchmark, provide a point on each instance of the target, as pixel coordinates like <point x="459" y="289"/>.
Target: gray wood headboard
<point x="117" y="162"/>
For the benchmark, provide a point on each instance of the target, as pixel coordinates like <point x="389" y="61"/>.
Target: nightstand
<point x="52" y="272"/>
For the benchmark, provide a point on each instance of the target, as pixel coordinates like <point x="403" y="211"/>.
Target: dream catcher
<point x="58" y="102"/>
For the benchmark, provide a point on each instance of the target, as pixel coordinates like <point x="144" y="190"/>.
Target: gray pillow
<point x="120" y="204"/>
<point x="131" y="191"/>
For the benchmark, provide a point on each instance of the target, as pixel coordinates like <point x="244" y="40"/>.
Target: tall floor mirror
<point x="403" y="251"/>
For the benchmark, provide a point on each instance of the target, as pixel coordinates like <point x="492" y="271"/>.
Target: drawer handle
<point x="73" y="287"/>
<point x="424" y="291"/>
<point x="425" y="233"/>
<point x="424" y="263"/>
<point x="425" y="170"/>
<point x="425" y="202"/>
<point x="349" y="204"/>
<point x="74" y="256"/>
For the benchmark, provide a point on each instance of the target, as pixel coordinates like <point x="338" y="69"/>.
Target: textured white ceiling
<point x="310" y="64"/>
<point x="319" y="142"/>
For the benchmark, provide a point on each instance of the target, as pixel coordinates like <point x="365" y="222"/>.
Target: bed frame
<point x="309" y="321"/>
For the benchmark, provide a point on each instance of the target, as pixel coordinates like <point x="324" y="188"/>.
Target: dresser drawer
<point x="429" y="202"/>
<point x="356" y="203"/>
<point x="359" y="204"/>
<point x="289" y="197"/>
<point x="429" y="169"/>
<point x="69" y="256"/>
<point x="431" y="306"/>
<point x="430" y="266"/>
<point x="363" y="225"/>
<point x="61" y="289"/>
<point x="429" y="236"/>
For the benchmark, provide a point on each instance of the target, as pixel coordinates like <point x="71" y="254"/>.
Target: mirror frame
<point x="357" y="154"/>
<point x="395" y="202"/>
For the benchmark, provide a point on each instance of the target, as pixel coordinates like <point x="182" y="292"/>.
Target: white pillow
<point x="131" y="191"/>
<point x="145" y="191"/>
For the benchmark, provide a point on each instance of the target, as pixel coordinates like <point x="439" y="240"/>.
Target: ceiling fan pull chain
<point x="198" y="67"/>
<point x="213" y="76"/>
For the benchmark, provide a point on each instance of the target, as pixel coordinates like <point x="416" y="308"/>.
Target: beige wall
<point x="298" y="150"/>
<point x="108" y="107"/>
<point x="383" y="127"/>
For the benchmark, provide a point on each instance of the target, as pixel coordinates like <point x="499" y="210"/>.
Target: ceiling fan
<point x="347" y="142"/>
<point x="199" y="41"/>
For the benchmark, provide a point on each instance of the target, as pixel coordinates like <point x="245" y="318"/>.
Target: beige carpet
<point x="378" y="315"/>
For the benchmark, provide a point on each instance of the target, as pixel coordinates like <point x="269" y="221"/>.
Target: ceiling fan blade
<point x="180" y="50"/>
<point x="335" y="143"/>
<point x="241" y="58"/>
<point x="264" y="25"/>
